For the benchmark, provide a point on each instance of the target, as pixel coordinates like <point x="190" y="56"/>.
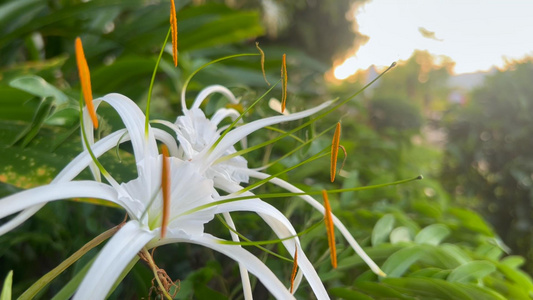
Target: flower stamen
<point x="294" y="269"/>
<point x="262" y="61"/>
<point x="85" y="79"/>
<point x="174" y="29"/>
<point x="335" y="151"/>
<point x="328" y="219"/>
<point x="284" y="79"/>
<point x="165" y="187"/>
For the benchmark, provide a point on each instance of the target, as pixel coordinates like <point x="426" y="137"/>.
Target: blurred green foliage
<point x="430" y="246"/>
<point x="488" y="155"/>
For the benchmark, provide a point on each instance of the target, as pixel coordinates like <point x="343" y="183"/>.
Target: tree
<point x="488" y="155"/>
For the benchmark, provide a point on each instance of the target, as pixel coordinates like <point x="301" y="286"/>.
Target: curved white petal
<point x="246" y="285"/>
<point x="80" y="162"/>
<point x="211" y="90"/>
<point x="283" y="229"/>
<point x="167" y="139"/>
<point x="223" y="113"/>
<point x="88" y="128"/>
<point x="134" y="120"/>
<point x="77" y="165"/>
<point x="19" y="219"/>
<point x="64" y="190"/>
<point x="239" y="133"/>
<point x="318" y="206"/>
<point x="240" y="255"/>
<point x="112" y="260"/>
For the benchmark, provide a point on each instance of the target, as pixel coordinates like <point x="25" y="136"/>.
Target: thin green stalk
<point x="268" y="242"/>
<point x="152" y="83"/>
<point x="285" y="195"/>
<point x="283" y="131"/>
<point x="297" y="148"/>
<point x="248" y="240"/>
<point x="320" y="116"/>
<point x="88" y="146"/>
<point x="320" y="154"/>
<point x="210" y="63"/>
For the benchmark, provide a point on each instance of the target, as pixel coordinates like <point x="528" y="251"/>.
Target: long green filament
<point x="86" y="142"/>
<point x="298" y="148"/>
<point x="320" y="116"/>
<point x="152" y="83"/>
<point x="248" y="240"/>
<point x="283" y="131"/>
<point x="269" y="242"/>
<point x="320" y="154"/>
<point x="213" y="62"/>
<point x="285" y="195"/>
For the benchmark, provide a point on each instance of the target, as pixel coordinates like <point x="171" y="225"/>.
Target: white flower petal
<point x="239" y="133"/>
<point x="283" y="229"/>
<point x="80" y="162"/>
<point x="211" y="90"/>
<point x="112" y="260"/>
<point x="318" y="206"/>
<point x="246" y="285"/>
<point x="223" y="113"/>
<point x="167" y="139"/>
<point x="64" y="190"/>
<point x="240" y="255"/>
<point x="19" y="219"/>
<point x="134" y="120"/>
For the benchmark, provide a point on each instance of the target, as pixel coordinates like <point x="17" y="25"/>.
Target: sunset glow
<point x="477" y="35"/>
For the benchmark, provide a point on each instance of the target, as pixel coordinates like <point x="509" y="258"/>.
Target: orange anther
<point x="174" y="29"/>
<point x="328" y="219"/>
<point x="335" y="151"/>
<point x="294" y="268"/>
<point x="165" y="187"/>
<point x="262" y="62"/>
<point x="284" y="79"/>
<point x="85" y="79"/>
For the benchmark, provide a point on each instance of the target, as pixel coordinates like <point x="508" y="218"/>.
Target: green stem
<point x="152" y="83"/>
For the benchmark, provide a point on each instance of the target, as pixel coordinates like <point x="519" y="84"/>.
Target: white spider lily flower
<point x="193" y="205"/>
<point x="196" y="134"/>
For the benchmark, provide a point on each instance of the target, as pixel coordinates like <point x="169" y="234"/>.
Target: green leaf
<point x="37" y="86"/>
<point x="432" y="234"/>
<point x="471" y="220"/>
<point x="378" y="253"/>
<point x="490" y="251"/>
<point x="348" y="294"/>
<point x="6" y="288"/>
<point x="399" y="262"/>
<point x="27" y="135"/>
<point x="224" y="29"/>
<point x="513" y="261"/>
<point x="15" y="104"/>
<point x="32" y="291"/>
<point x="431" y="273"/>
<point x="378" y="290"/>
<point x="382" y="229"/>
<point x="471" y="271"/>
<point x="68" y="290"/>
<point x="517" y="276"/>
<point x="428" y="288"/>
<point x="400" y="234"/>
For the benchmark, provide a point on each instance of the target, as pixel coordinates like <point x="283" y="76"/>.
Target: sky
<point x="476" y="34"/>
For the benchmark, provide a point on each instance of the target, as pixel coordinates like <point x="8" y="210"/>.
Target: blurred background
<point x="457" y="109"/>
